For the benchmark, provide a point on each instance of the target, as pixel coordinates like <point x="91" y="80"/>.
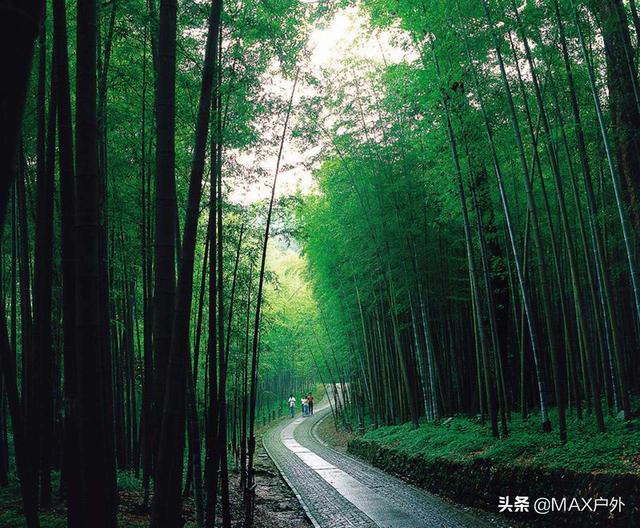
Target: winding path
<point x="339" y="491"/>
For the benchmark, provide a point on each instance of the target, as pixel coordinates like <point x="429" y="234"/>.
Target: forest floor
<point x="337" y="437"/>
<point x="276" y="504"/>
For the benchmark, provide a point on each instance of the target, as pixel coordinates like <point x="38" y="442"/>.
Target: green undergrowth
<point x="11" y="510"/>
<point x="461" y="439"/>
<point x="129" y="514"/>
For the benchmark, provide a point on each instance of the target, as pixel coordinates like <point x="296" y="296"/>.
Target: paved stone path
<point x="339" y="491"/>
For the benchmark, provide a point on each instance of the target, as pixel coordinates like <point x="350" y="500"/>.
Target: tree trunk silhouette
<point x="165" y="209"/>
<point x="19" y="26"/>
<point x="95" y="508"/>
<point x="167" y="501"/>
<point x="43" y="271"/>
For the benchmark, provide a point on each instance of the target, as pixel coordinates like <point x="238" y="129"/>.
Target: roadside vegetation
<point x="461" y="439"/>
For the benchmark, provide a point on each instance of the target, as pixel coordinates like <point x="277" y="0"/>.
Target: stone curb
<point x="306" y="509"/>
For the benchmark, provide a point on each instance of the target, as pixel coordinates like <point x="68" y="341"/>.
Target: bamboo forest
<point x="319" y="263"/>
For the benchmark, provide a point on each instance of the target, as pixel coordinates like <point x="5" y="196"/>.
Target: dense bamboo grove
<point x="474" y="236"/>
<point x="471" y="243"/>
<point x="132" y="286"/>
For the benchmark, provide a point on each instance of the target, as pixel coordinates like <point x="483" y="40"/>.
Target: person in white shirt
<point x="292" y="405"/>
<point x="305" y="408"/>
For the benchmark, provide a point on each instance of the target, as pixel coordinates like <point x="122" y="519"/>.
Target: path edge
<point x="317" y="437"/>
<point x="301" y="501"/>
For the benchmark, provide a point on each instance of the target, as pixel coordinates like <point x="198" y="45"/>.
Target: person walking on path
<point x="292" y="405"/>
<point x="310" y="404"/>
<point x="305" y="406"/>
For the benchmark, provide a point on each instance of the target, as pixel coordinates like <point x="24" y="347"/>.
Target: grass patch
<point x="461" y="439"/>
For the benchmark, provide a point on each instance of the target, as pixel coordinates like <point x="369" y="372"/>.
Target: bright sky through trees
<point x="346" y="36"/>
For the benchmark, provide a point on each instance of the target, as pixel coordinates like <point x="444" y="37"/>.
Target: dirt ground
<point x="276" y="505"/>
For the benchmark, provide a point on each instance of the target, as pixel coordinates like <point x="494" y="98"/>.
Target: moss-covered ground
<point x="462" y="439"/>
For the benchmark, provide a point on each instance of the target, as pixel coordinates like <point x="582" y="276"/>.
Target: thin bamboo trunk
<point x="251" y="443"/>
